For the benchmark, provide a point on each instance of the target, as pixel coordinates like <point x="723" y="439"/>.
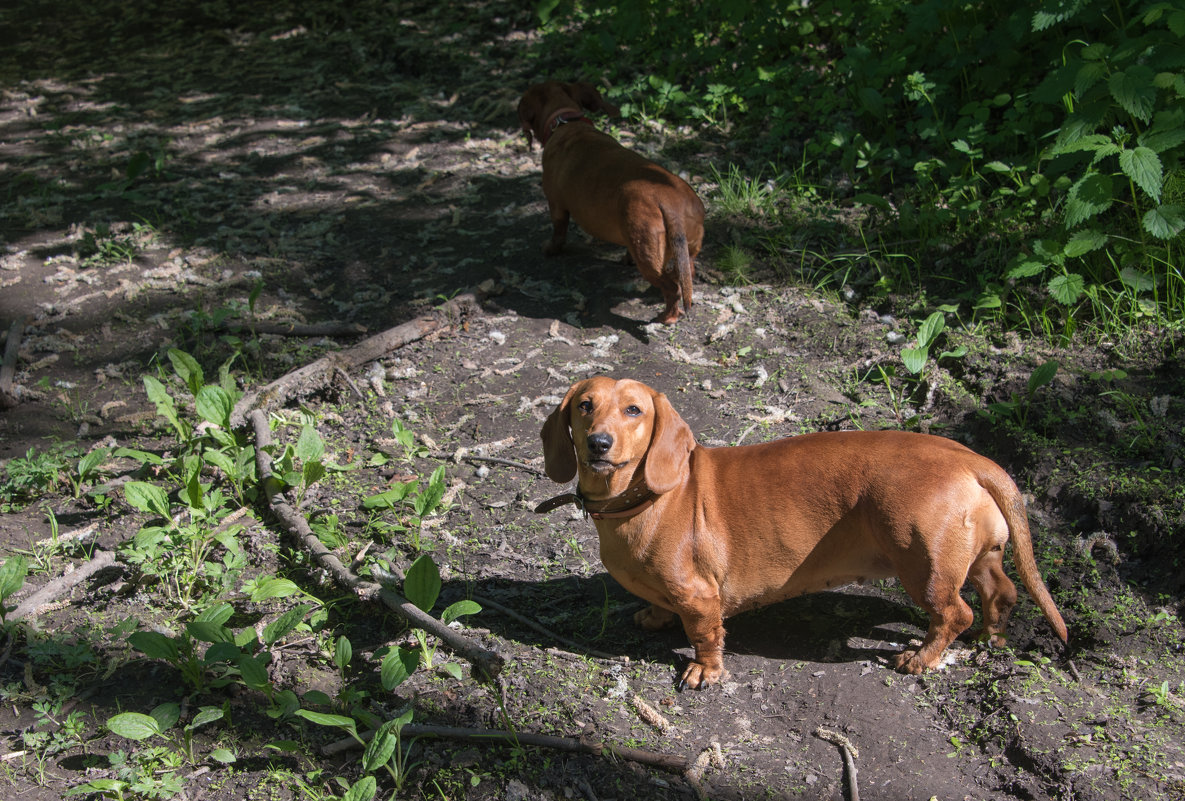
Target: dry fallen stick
<point x="670" y="762"/>
<point x="539" y="627"/>
<point x="473" y="457"/>
<point x="293" y="329"/>
<point x="312" y="377"/>
<point x="61" y="585"/>
<point x="487" y="664"/>
<point x="850" y="752"/>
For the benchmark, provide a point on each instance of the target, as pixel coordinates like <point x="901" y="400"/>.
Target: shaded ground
<point x="357" y="166"/>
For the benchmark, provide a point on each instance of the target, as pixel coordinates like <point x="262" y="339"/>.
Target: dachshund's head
<point x="543" y="101"/>
<point x="605" y="431"/>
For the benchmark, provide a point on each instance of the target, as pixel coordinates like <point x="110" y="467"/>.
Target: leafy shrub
<point x="1060" y="128"/>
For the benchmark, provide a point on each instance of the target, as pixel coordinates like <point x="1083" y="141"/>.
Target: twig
<point x="312" y="377"/>
<point x="344" y="376"/>
<point x="291" y="328"/>
<point x="539" y="627"/>
<point x="850" y="752"/>
<point x="61" y="585"/>
<point x="487" y="664"/>
<point x="473" y="457"/>
<point x="671" y="762"/>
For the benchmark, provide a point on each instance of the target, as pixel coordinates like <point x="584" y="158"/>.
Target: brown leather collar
<point x="634" y="500"/>
<point x="559" y="118"/>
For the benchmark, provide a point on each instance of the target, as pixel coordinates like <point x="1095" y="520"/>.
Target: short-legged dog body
<point x="704" y="533"/>
<point x="613" y="193"/>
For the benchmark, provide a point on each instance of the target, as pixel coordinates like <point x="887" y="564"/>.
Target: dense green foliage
<point x="1058" y="130"/>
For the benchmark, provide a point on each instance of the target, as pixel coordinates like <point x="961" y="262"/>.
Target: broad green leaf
<point x="1143" y="166"/>
<point x="214" y="405"/>
<point x="1083" y="242"/>
<point x="208" y="631"/>
<point x="1091" y="195"/>
<point x="1176" y="23"/>
<point x="207" y="714"/>
<point x="1165" y="222"/>
<point x="220" y="460"/>
<point x="988" y="300"/>
<point x="388" y="498"/>
<point x="187" y="369"/>
<point x="459" y="609"/>
<point x="398" y="665"/>
<point x="1026" y="268"/>
<point x="147" y="497"/>
<point x="1134" y="89"/>
<point x="1042" y="375"/>
<point x="143" y="457"/>
<point x="317" y="697"/>
<point x="452" y="669"/>
<point x="428" y="501"/>
<point x="380" y="748"/>
<point x="312" y="472"/>
<point x="323" y="719"/>
<point x="253" y="671"/>
<point x="154" y="645"/>
<point x="223" y="755"/>
<point x="309" y="447"/>
<point x="219" y="613"/>
<point x="285" y="623"/>
<point x="12" y="574"/>
<point x="1066" y="289"/>
<point x="422" y="584"/>
<point x="165" y="406"/>
<point x="930" y="328"/>
<point x="166" y="715"/>
<point x="285" y="746"/>
<point x="343" y="652"/>
<point x="221" y="652"/>
<point x="106" y="787"/>
<point x="133" y="725"/>
<point x="267" y="588"/>
<point x="365" y="788"/>
<point x="1159" y="139"/>
<point x="88" y="463"/>
<point x="1138" y="280"/>
<point x="915" y="359"/>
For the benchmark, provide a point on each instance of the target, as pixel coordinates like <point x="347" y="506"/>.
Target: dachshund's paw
<point x="908" y="662"/>
<point x="552" y="248"/>
<point x="700" y="677"/>
<point x="653" y="618"/>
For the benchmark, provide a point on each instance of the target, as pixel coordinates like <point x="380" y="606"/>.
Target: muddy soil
<point x="357" y="168"/>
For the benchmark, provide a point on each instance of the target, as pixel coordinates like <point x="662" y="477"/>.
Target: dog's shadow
<point x="596" y="614"/>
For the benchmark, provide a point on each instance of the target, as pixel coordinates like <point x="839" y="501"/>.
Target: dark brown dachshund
<point x="704" y="533"/>
<point x="613" y="193"/>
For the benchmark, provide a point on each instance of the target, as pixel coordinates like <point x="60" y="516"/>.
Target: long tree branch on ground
<point x="316" y="375"/>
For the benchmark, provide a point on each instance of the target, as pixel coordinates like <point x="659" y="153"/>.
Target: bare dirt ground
<point x="360" y="167"/>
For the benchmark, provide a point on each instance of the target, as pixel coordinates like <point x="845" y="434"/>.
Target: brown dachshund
<point x="704" y="533"/>
<point x="613" y="193"/>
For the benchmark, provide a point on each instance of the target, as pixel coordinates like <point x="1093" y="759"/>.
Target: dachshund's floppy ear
<point x="587" y="96"/>
<point x="528" y="110"/>
<point x="671" y="444"/>
<point x="559" y="454"/>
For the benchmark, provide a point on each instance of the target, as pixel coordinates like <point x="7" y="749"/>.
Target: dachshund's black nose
<point x="599" y="444"/>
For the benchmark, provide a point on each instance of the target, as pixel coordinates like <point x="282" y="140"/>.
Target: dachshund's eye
<point x="585" y="406"/>
<point x="632" y="411"/>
